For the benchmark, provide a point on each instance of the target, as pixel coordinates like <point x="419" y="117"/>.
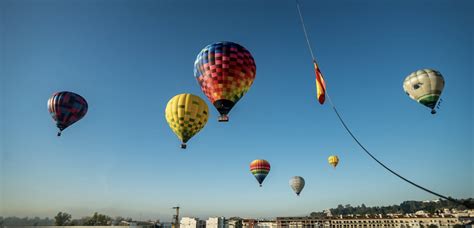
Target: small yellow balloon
<point x="186" y="115"/>
<point x="333" y="160"/>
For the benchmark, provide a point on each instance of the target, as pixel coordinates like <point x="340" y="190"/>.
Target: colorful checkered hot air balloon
<point x="260" y="169"/>
<point x="66" y="108"/>
<point x="186" y="115"/>
<point x="225" y="71"/>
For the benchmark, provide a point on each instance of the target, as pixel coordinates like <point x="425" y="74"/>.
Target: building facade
<point x="188" y="222"/>
<point x="215" y="222"/>
<point x="368" y="221"/>
<point x="266" y="224"/>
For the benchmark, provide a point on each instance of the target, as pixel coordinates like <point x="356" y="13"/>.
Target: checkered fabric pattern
<point x="66" y="108"/>
<point x="186" y="115"/>
<point x="224" y="70"/>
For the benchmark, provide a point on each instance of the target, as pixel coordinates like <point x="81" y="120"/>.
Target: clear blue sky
<point x="128" y="58"/>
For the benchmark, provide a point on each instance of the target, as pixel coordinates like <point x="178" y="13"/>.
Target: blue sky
<point x="128" y="58"/>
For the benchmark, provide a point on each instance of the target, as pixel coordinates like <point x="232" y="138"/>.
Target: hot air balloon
<point x="260" y="169"/>
<point x="225" y="71"/>
<point x="186" y="115"/>
<point x="425" y="87"/>
<point x="297" y="184"/>
<point x="66" y="108"/>
<point x="333" y="160"/>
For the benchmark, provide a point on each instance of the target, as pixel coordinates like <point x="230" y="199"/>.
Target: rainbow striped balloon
<point x="260" y="169"/>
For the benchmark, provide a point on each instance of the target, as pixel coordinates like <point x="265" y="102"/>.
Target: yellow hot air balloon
<point x="333" y="160"/>
<point x="186" y="115"/>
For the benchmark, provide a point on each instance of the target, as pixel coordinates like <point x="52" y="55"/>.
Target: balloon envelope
<point x="225" y="71"/>
<point x="425" y="87"/>
<point x="66" y="108"/>
<point x="260" y="169"/>
<point x="186" y="115"/>
<point x="333" y="160"/>
<point x="297" y="184"/>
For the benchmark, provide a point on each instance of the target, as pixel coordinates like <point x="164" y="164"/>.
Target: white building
<point x="215" y="222"/>
<point x="266" y="224"/>
<point x="187" y="222"/>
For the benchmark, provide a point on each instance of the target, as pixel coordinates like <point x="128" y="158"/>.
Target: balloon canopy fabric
<point x="297" y="184"/>
<point x="186" y="115"/>
<point x="260" y="169"/>
<point x="225" y="71"/>
<point x="66" y="108"/>
<point x="425" y="87"/>
<point x="333" y="160"/>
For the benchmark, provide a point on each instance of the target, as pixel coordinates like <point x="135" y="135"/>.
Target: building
<point x="249" y="223"/>
<point x="299" y="222"/>
<point x="215" y="222"/>
<point x="266" y="224"/>
<point x="234" y="222"/>
<point x="415" y="221"/>
<point x="369" y="221"/>
<point x="188" y="222"/>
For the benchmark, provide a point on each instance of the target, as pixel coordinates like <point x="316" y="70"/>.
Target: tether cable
<point x="353" y="136"/>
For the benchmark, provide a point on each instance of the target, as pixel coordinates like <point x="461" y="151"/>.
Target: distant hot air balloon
<point x="186" y="115"/>
<point x="66" y="108"/>
<point x="424" y="86"/>
<point x="297" y="184"/>
<point x="260" y="169"/>
<point x="333" y="160"/>
<point x="225" y="71"/>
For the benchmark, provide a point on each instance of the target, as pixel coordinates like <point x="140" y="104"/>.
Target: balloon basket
<point x="223" y="118"/>
<point x="183" y="146"/>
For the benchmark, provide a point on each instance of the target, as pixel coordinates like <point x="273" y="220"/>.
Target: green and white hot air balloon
<point x="425" y="87"/>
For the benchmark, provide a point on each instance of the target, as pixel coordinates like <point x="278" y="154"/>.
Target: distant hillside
<point x="404" y="208"/>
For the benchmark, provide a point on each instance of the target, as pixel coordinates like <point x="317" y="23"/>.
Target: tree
<point x="98" y="220"/>
<point x="318" y="215"/>
<point x="62" y="219"/>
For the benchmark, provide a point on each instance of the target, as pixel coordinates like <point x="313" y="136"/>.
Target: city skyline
<point x="128" y="58"/>
<point x="405" y="209"/>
